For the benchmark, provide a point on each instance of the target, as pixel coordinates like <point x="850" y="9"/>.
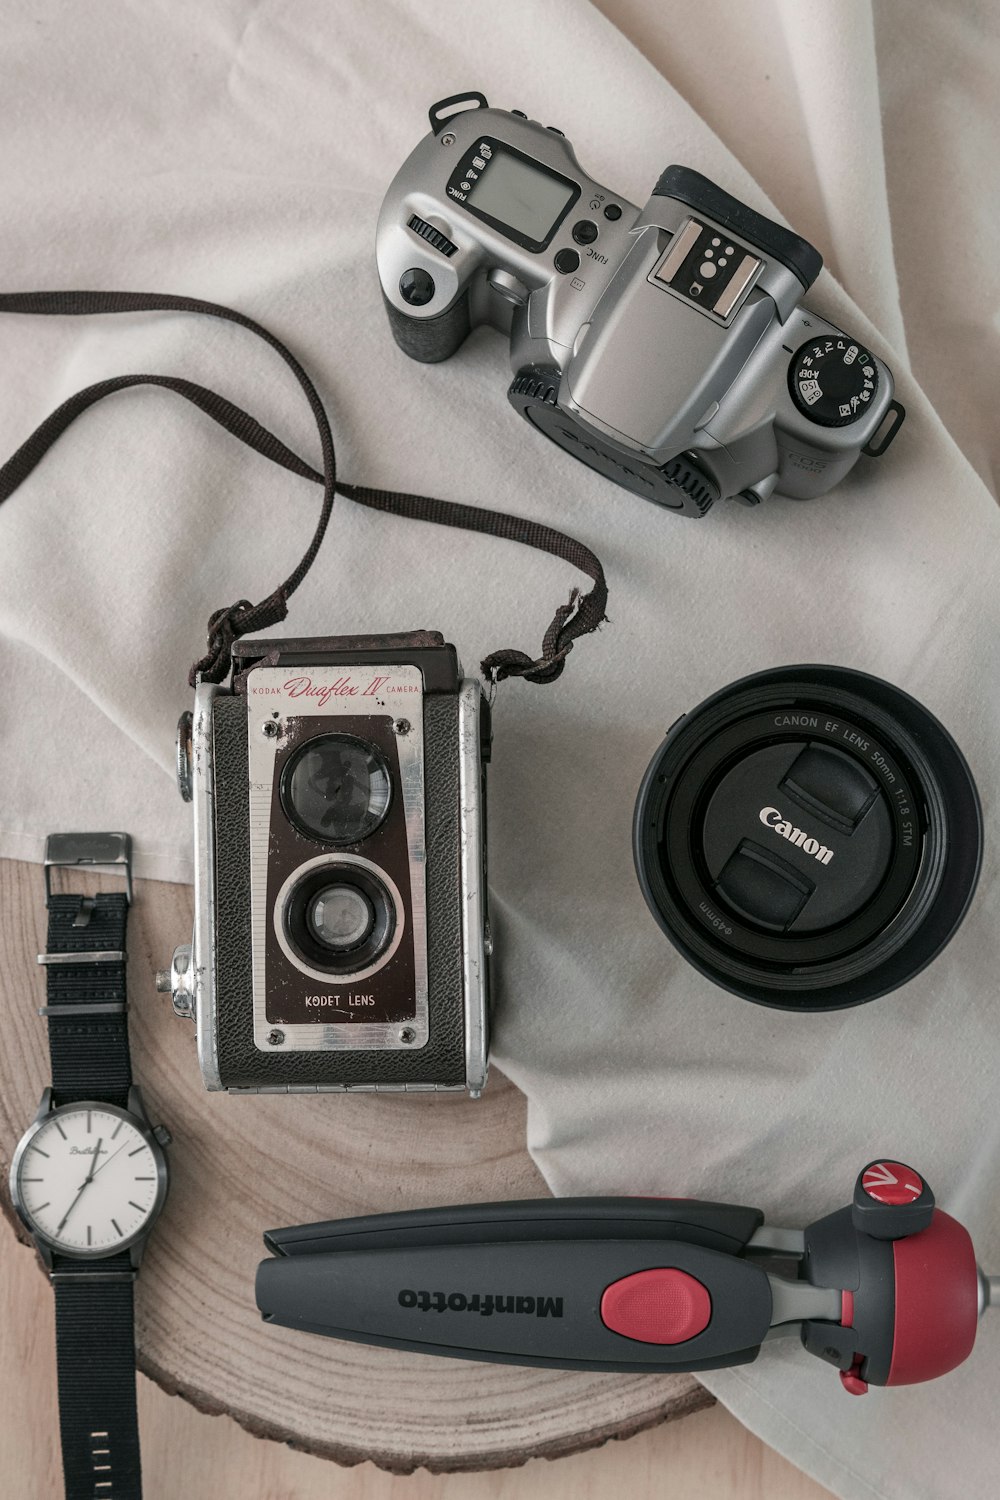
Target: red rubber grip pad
<point x="661" y="1306"/>
<point x="937" y="1301"/>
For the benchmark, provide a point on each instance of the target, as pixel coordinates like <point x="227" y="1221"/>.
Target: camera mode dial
<point x="833" y="380"/>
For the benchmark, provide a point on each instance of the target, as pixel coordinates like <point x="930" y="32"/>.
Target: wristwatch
<point x="89" y="1176"/>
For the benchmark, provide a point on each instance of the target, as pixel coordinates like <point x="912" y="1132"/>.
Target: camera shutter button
<point x="416" y="286"/>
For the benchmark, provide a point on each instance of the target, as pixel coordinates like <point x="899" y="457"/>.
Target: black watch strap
<point x="95" y="1346"/>
<point x="86" y="1010"/>
<point x="85" y="998"/>
<point x="85" y="973"/>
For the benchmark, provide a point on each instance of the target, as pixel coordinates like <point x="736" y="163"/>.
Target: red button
<point x="663" y="1306"/>
<point x="891" y="1182"/>
<point x="852" y="1381"/>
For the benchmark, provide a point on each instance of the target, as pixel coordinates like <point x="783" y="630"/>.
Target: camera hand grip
<point x="430" y="340"/>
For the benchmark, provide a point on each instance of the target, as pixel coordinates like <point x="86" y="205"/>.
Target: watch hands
<point x="110" y="1158"/>
<point x="93" y="1163"/>
<point x="85" y="1183"/>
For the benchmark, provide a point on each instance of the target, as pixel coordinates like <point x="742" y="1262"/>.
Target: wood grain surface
<point x="188" y="1456"/>
<point x="241" y="1165"/>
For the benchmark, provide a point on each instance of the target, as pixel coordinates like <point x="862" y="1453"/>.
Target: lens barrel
<point x="337" y="917"/>
<point x="808" y="838"/>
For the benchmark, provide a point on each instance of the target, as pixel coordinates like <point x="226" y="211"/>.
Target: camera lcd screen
<point x="521" y="196"/>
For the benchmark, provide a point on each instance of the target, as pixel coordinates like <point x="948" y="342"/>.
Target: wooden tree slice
<point x="241" y="1165"/>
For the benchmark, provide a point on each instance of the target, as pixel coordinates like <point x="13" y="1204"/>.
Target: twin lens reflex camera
<point x="666" y="347"/>
<point x="341" y="931"/>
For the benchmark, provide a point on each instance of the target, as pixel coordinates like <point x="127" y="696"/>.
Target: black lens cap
<point x="809" y="838"/>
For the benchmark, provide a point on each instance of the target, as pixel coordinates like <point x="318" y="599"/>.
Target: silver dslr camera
<point x="341" y="932"/>
<point x="666" y="347"/>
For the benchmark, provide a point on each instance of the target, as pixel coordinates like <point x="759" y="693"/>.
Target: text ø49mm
<point x="809" y="838"/>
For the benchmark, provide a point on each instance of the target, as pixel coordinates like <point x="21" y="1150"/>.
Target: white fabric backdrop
<point x="238" y="152"/>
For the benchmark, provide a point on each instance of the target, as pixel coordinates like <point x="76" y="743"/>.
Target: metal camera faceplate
<point x="197" y="996"/>
<point x="375" y="999"/>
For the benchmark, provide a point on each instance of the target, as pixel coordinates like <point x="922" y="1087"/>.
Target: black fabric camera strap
<point x="582" y="614"/>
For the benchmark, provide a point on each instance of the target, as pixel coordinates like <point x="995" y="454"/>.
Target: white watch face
<point x="88" y="1180"/>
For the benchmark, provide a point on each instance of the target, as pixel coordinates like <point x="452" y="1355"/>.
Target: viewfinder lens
<point x="336" y="789"/>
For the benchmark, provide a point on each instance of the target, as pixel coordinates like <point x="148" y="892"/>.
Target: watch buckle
<point x="103" y="851"/>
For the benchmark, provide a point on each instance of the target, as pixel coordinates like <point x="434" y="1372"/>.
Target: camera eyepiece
<point x="809" y="837"/>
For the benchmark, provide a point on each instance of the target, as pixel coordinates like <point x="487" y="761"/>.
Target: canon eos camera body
<point x="341" y="932"/>
<point x="666" y="347"/>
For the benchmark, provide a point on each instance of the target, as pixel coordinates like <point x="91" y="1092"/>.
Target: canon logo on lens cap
<point x="771" y="818"/>
<point x="809" y="838"/>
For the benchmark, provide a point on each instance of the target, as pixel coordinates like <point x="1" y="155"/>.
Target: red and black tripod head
<point x="912" y="1293"/>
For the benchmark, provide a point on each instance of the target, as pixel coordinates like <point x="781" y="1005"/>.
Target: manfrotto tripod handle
<point x="582" y="1283"/>
<point x="886" y="1289"/>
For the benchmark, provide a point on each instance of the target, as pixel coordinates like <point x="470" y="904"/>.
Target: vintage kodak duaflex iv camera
<point x="341" y="933"/>
<point x="666" y="347"/>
